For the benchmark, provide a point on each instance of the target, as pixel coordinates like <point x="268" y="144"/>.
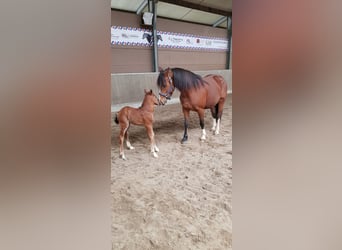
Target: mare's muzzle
<point x="168" y="93"/>
<point x="167" y="96"/>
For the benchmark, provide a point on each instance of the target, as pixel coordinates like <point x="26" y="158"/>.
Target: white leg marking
<point x="153" y="151"/>
<point x="217" y="131"/>
<point x="122" y="156"/>
<point x="214" y="125"/>
<point x="156" y="149"/>
<point x="128" y="144"/>
<point x="203" y="134"/>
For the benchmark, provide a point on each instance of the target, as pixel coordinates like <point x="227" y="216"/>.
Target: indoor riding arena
<point x="181" y="199"/>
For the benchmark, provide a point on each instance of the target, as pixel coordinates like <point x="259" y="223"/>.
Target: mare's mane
<point x="183" y="79"/>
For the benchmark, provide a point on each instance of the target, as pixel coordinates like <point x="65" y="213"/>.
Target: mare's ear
<point x="169" y="72"/>
<point x="160" y="69"/>
<point x="151" y="91"/>
<point x="146" y="91"/>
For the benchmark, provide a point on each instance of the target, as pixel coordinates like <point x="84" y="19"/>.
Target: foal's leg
<point x="186" y="119"/>
<point x="201" y="118"/>
<point x="124" y="126"/>
<point x="150" y="134"/>
<point x="128" y="143"/>
<point x="156" y="149"/>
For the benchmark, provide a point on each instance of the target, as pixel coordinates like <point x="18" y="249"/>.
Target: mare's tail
<point x="116" y="118"/>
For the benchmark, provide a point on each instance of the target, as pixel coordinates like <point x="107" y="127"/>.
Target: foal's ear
<point x="148" y="91"/>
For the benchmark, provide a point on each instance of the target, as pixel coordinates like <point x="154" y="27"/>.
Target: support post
<point x="229" y="35"/>
<point x="154" y="34"/>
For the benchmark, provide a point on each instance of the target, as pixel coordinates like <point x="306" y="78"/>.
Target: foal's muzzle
<point x="162" y="102"/>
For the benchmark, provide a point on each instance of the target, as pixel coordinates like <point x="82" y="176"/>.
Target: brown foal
<point x="142" y="116"/>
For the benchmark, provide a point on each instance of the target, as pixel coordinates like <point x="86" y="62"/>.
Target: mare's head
<point x="165" y="85"/>
<point x="151" y="97"/>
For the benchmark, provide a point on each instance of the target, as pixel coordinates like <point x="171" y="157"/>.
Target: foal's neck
<point x="147" y="105"/>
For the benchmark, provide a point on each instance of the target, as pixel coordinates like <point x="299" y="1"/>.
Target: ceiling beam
<point x="198" y="7"/>
<point x="141" y="7"/>
<point x="219" y="21"/>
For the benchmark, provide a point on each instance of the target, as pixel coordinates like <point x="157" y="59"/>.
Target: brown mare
<point x="196" y="94"/>
<point x="138" y="116"/>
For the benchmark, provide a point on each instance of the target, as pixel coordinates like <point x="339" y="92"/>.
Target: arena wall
<point x="128" y="88"/>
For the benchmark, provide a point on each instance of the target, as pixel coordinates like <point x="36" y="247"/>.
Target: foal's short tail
<point x="116" y="118"/>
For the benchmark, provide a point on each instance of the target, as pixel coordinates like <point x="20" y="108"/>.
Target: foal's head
<point x="165" y="84"/>
<point x="150" y="97"/>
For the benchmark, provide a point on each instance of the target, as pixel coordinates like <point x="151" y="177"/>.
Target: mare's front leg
<point x="186" y="119"/>
<point x="201" y="118"/>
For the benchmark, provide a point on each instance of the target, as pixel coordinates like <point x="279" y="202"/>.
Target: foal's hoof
<point x="203" y="138"/>
<point x="216" y="132"/>
<point x="155" y="155"/>
<point x="123" y="157"/>
<point x="156" y="149"/>
<point x="130" y="147"/>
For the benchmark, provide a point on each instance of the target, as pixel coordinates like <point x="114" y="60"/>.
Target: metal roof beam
<point x="141" y="7"/>
<point x="219" y="21"/>
<point x="198" y="7"/>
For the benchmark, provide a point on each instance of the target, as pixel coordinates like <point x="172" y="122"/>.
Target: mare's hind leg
<point x="201" y="118"/>
<point x="214" y="111"/>
<point x="186" y="113"/>
<point x="219" y="115"/>
<point x="128" y="143"/>
<point x="150" y="134"/>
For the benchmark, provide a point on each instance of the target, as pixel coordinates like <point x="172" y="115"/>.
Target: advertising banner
<point x="141" y="37"/>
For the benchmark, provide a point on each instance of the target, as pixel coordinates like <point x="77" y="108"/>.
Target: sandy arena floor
<point x="181" y="200"/>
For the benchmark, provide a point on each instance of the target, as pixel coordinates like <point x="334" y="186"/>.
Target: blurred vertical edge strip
<point x="55" y="124"/>
<point x="287" y="124"/>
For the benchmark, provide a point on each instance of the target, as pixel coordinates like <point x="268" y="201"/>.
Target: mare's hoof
<point x="184" y="141"/>
<point x="156" y="149"/>
<point x="123" y="157"/>
<point x="155" y="155"/>
<point x="185" y="138"/>
<point x="130" y="148"/>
